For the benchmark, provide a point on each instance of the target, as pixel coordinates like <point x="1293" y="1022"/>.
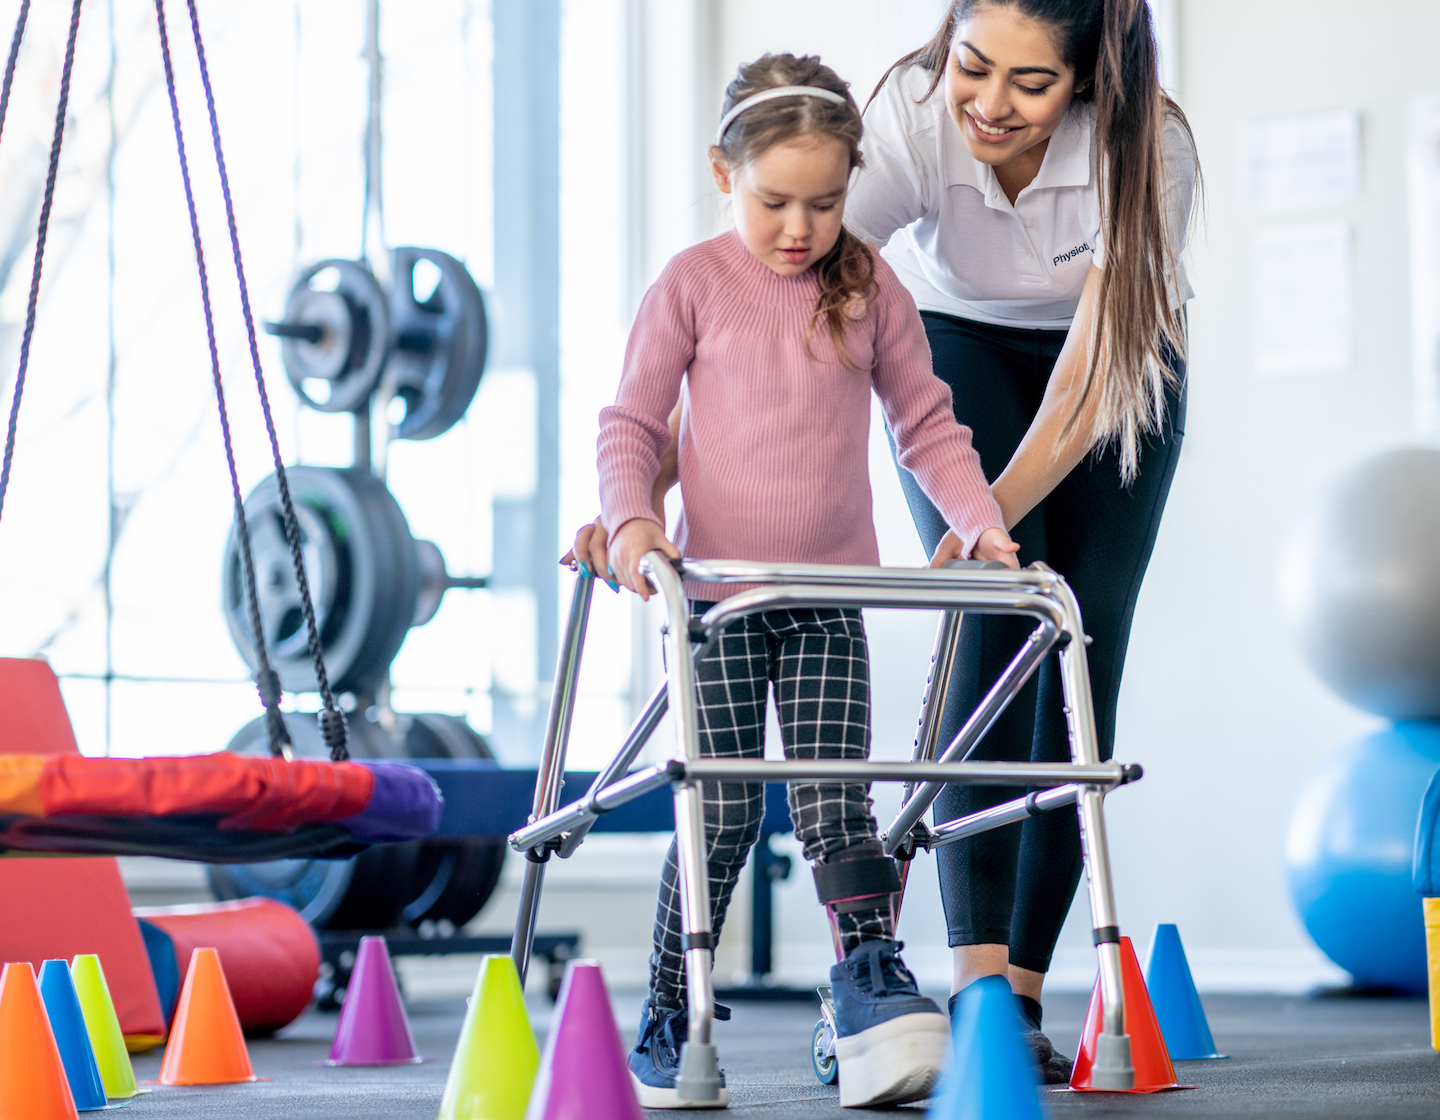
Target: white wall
<point x="1216" y="703"/>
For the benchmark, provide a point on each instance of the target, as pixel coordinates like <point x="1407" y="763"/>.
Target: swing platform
<point x="1035" y="592"/>
<point x="215" y="808"/>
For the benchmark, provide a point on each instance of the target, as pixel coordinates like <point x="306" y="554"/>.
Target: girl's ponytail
<point x="1110" y="44"/>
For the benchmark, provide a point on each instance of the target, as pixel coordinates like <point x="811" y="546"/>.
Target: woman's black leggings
<point x="1013" y="886"/>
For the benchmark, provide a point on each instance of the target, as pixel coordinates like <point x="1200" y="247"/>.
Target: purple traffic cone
<point x="373" y="1030"/>
<point x="583" y="1075"/>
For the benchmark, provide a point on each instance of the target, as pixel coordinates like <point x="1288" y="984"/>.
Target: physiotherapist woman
<point x="1031" y="184"/>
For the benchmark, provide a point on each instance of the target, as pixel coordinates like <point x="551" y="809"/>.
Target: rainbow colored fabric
<point x="360" y="802"/>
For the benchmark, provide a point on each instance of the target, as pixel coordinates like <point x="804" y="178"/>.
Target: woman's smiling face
<point x="1007" y="86"/>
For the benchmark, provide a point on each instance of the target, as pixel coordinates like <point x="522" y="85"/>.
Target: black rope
<point x="266" y="680"/>
<point x="44" y="226"/>
<point x="10" y="62"/>
<point x="332" y="722"/>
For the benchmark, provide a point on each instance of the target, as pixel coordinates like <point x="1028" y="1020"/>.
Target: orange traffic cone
<point x="33" y="1085"/>
<point x="1153" y="1071"/>
<point x="206" y="1044"/>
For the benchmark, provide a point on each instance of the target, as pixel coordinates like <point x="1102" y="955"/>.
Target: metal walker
<point x="1036" y="592"/>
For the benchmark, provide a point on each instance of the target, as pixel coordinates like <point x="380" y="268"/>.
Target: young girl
<point x="779" y="331"/>
<point x="1031" y="185"/>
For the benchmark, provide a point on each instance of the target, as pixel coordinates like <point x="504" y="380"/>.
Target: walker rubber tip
<point x="103" y="1027"/>
<point x="373" y="1029"/>
<point x="207" y="1046"/>
<point x="1177" y="1004"/>
<point x="1153" y="1071"/>
<point x="33" y="1084"/>
<point x="67" y="1024"/>
<point x="583" y="1075"/>
<point x="496" y="1057"/>
<point x="992" y="1073"/>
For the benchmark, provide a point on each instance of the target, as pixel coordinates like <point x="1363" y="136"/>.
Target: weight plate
<point x="363" y="569"/>
<point x="335" y="367"/>
<point x="434" y="581"/>
<point x="367" y="891"/>
<point x="418" y="881"/>
<point x="459" y="874"/>
<point x="440" y="340"/>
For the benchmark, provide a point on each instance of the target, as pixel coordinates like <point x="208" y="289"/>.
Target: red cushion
<point x="61" y="907"/>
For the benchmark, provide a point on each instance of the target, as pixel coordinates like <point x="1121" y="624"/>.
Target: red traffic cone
<point x="1153" y="1071"/>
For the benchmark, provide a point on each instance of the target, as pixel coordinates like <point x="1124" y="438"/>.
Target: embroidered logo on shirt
<point x="1073" y="253"/>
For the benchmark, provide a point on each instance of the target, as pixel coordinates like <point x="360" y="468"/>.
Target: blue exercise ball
<point x="1349" y="849"/>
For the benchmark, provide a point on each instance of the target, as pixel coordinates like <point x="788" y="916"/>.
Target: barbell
<point x="370" y="579"/>
<point x="443" y="881"/>
<point x="422" y="343"/>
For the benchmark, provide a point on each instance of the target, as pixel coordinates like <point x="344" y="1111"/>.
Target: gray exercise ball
<point x="1360" y="584"/>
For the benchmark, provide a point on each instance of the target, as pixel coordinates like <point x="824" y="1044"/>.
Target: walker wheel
<point x="822" y="1054"/>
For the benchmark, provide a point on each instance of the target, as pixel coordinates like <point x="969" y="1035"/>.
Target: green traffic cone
<point x="496" y="1058"/>
<point x="103" y="1026"/>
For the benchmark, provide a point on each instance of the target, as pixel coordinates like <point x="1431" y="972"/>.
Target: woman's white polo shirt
<point x="952" y="236"/>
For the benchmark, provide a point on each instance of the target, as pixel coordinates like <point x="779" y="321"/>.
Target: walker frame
<point x="1035" y="592"/>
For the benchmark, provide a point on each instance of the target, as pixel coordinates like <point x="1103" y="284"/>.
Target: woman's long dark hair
<point x="847" y="272"/>
<point x="1110" y="44"/>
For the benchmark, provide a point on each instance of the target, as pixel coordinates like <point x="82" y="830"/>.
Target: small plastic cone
<point x="1153" y="1071"/>
<point x="992" y="1074"/>
<point x="33" y="1085"/>
<point x="103" y="1027"/>
<point x="373" y="1029"/>
<point x="67" y="1024"/>
<point x="1177" y="1004"/>
<point x="496" y="1057"/>
<point x="206" y="1044"/>
<point x="583" y="1075"/>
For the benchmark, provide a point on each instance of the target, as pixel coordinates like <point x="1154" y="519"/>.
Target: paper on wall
<point x="1304" y="160"/>
<point x="1303" y="299"/>
<point x="1423" y="160"/>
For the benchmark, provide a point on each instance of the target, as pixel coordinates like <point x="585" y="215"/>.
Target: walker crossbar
<point x="1034" y="592"/>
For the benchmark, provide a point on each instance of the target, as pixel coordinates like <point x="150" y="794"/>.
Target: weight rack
<point x="964" y="586"/>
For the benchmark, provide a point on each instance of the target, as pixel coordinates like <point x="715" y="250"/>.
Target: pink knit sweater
<point x="774" y="442"/>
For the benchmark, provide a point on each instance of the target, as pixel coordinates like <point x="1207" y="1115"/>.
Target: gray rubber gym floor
<point x="1291" y="1057"/>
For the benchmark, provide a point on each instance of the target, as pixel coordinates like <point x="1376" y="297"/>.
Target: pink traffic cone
<point x="373" y="1030"/>
<point x="583" y="1075"/>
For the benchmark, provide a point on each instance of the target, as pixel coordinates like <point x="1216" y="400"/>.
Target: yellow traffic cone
<point x="103" y="1026"/>
<point x="496" y="1057"/>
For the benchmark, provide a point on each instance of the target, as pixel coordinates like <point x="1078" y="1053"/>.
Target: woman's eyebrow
<point x="1014" y="69"/>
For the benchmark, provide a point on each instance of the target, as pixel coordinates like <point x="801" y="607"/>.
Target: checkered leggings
<point x="819" y="664"/>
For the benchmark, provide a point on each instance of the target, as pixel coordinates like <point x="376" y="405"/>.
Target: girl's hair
<point x="847" y="272"/>
<point x="1110" y="44"/>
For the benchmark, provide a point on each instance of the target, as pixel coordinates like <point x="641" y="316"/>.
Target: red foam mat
<point x="61" y="907"/>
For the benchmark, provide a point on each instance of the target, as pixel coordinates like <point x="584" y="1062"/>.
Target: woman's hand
<point x="994" y="544"/>
<point x="590" y="553"/>
<point x="628" y="547"/>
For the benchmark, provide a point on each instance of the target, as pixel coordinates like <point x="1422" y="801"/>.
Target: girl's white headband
<point x="773" y="94"/>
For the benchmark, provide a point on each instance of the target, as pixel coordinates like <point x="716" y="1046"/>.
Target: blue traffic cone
<point x="67" y="1022"/>
<point x="1176" y="1002"/>
<point x="992" y="1074"/>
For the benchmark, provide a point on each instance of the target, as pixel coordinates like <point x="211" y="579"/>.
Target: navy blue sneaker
<point x="890" y="1040"/>
<point x="655" y="1061"/>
